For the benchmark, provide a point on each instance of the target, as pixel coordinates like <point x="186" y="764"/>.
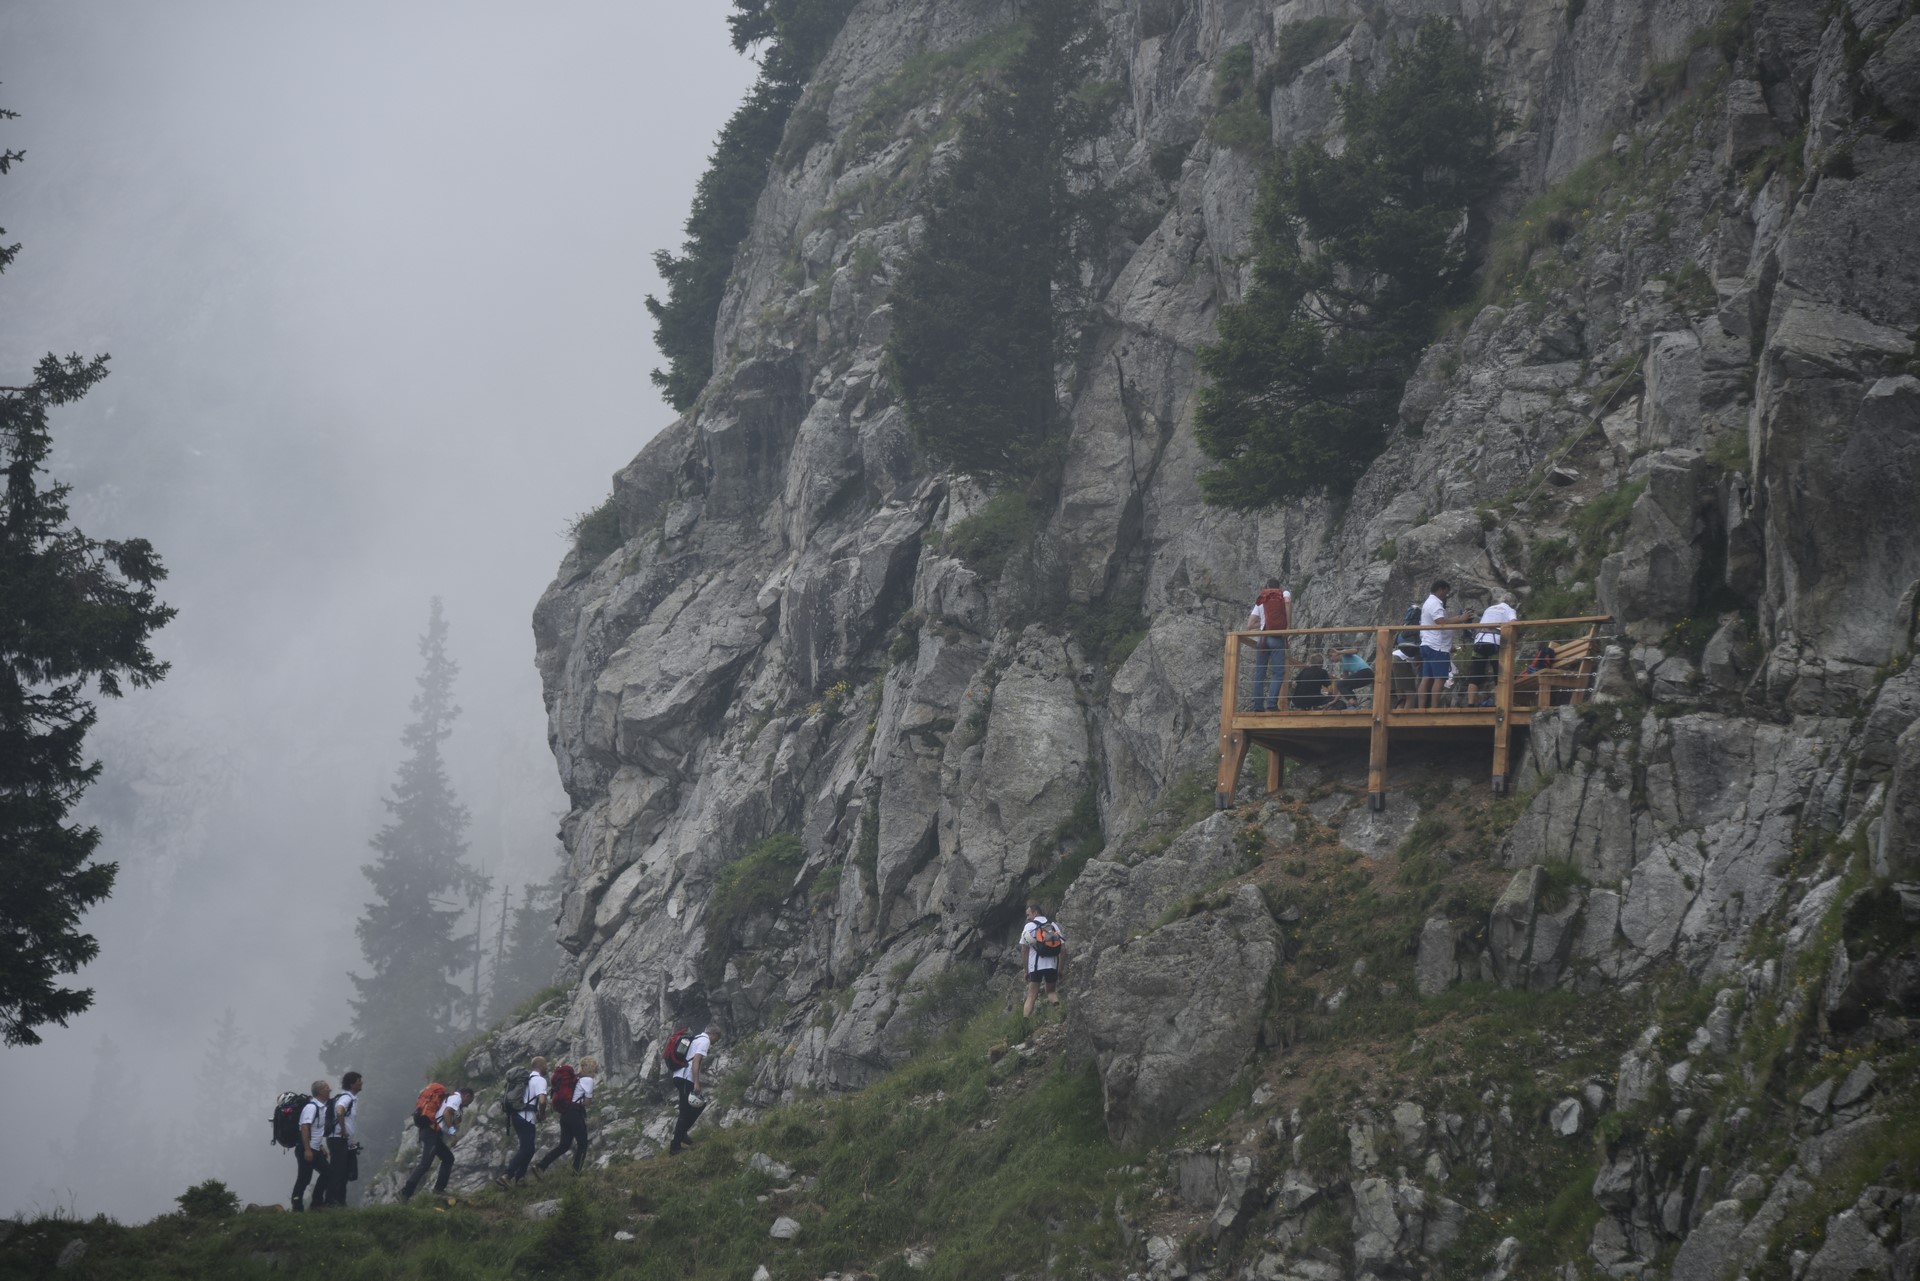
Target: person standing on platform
<point x="1436" y="644"/>
<point x="1269" y="614"/>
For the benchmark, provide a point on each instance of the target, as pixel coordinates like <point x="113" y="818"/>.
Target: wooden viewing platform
<point x="1319" y="713"/>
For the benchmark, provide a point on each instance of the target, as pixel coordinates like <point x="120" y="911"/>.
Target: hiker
<point x="1269" y="613"/>
<point x="1486" y="651"/>
<point x="687" y="1082"/>
<point x="436" y="1115"/>
<point x="1405" y="672"/>
<point x="1045" y="946"/>
<point x="1436" y="645"/>
<point x="532" y="1106"/>
<point x="570" y="1092"/>
<point x="343" y="1147"/>
<point x="1355" y="675"/>
<point x="312" y="1152"/>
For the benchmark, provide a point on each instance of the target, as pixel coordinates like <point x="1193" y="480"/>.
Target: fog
<point x="371" y="275"/>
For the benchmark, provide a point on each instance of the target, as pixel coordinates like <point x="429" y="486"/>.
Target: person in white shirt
<point x="1486" y="651"/>
<point x="573" y="1116"/>
<point x="438" y="1134"/>
<point x="533" y="1106"/>
<point x="687" y="1082"/>
<point x="343" y="1161"/>
<point x="1043" y="966"/>
<point x="1436" y="644"/>
<point x="312" y="1152"/>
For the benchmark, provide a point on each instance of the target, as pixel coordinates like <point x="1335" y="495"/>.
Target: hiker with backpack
<point x="525" y="1101"/>
<point x="1405" y="672"/>
<point x="687" y="1054"/>
<point x="1045" y="948"/>
<point x="569" y="1092"/>
<point x="297" y="1123"/>
<point x="436" y="1116"/>
<point x="1269" y="614"/>
<point x="343" y="1146"/>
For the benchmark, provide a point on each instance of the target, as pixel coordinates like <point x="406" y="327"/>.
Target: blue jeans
<point x="1269" y="672"/>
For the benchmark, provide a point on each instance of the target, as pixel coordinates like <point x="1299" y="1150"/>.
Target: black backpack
<point x="513" y="1095"/>
<point x="286" y="1118"/>
<point x="1410" y="619"/>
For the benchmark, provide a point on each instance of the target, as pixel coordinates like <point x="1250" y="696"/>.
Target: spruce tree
<point x="990" y="306"/>
<point x="531" y="957"/>
<point x="1359" y="256"/>
<point x="405" y="1005"/>
<point x="76" y="617"/>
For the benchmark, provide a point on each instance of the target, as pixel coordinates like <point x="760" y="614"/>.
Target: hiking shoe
<point x="298" y="1206"/>
<point x="500" y="1181"/>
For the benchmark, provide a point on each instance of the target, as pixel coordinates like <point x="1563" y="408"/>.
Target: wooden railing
<point x="1291" y="699"/>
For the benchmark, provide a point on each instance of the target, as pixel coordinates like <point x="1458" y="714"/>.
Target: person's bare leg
<point x="1033" y="994"/>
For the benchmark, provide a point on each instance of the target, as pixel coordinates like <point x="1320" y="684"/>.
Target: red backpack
<point x="560" y="1089"/>
<point x="1274" y="601"/>
<point x="675" y="1050"/>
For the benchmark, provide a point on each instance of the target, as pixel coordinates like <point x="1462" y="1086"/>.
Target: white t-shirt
<point x="448" y="1117"/>
<point x="1432" y="611"/>
<point x="700" y="1048"/>
<point x="314" y="1117"/>
<point x="582" y="1091"/>
<point x="1035" y="961"/>
<point x="1498" y="612"/>
<point x="343" y="1122"/>
<point x="536" y="1086"/>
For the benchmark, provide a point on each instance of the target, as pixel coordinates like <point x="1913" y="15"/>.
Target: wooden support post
<point x="1503" y="709"/>
<point x="1233" y="748"/>
<point x="1276" y="770"/>
<point x="1382" y="704"/>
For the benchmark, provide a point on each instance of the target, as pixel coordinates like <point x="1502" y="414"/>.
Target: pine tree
<point x="74" y="611"/>
<point x="405" y="1007"/>
<point x="531" y="957"/>
<point x="1360" y="254"/>
<point x="995" y="297"/>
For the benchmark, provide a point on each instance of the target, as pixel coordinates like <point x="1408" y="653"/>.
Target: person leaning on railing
<point x="1486" y="651"/>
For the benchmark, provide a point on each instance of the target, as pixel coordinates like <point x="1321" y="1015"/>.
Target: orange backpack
<point x="427" y="1107"/>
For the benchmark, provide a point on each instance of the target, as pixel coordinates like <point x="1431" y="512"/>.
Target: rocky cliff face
<point x="1706" y="346"/>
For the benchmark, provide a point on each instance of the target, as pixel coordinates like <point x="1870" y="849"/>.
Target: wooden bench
<point x="1569" y="680"/>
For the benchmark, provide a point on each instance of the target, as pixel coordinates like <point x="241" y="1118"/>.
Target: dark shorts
<point x="1051" y="977"/>
<point x="1435" y="664"/>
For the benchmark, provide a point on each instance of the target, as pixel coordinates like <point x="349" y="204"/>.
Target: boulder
<point x="1111" y="900"/>
<point x="1171" y="1016"/>
<point x="1436" y="969"/>
<point x="1710" y="1251"/>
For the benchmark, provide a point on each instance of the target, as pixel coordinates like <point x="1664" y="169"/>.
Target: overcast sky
<point x="371" y="275"/>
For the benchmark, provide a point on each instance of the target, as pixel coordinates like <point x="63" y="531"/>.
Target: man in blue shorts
<point x="1436" y="646"/>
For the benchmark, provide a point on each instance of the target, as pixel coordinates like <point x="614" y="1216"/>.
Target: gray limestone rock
<point x="1169" y="1016"/>
<point x="1110" y="901"/>
<point x="1436" y="968"/>
<point x="1709" y="1252"/>
<point x="1378" y="833"/>
<point x="1849" y="1251"/>
<point x="1898" y="852"/>
<point x="1650" y="582"/>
